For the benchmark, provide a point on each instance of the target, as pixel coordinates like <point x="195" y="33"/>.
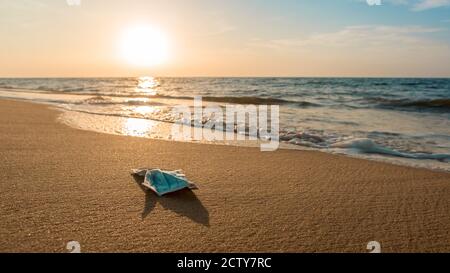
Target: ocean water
<point x="403" y="121"/>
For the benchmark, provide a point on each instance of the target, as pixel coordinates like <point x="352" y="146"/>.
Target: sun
<point x="144" y="45"/>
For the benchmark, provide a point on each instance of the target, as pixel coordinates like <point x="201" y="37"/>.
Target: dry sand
<point x="59" y="184"/>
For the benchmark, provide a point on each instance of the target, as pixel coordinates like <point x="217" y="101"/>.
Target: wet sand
<point x="59" y="184"/>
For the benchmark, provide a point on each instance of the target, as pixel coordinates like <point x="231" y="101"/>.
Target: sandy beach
<point x="59" y="184"/>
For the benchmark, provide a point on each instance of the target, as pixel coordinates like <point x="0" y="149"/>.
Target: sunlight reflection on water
<point x="147" y="85"/>
<point x="138" y="127"/>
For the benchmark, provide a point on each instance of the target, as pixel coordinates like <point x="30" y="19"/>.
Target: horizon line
<point x="268" y="76"/>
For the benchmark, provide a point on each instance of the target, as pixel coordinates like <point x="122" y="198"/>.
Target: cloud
<point x="364" y="50"/>
<point x="217" y="25"/>
<point x="363" y="37"/>
<point x="418" y="5"/>
<point x="223" y="27"/>
<point x="430" y="4"/>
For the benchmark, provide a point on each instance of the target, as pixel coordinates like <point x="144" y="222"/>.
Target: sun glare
<point x="137" y="127"/>
<point x="144" y="46"/>
<point x="147" y="85"/>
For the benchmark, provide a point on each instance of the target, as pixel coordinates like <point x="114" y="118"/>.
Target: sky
<point x="305" y="38"/>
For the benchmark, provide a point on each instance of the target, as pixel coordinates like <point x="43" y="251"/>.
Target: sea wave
<point x="258" y="101"/>
<point x="368" y="146"/>
<point x="230" y="99"/>
<point x="436" y="103"/>
<point x="102" y="100"/>
<point x="361" y="145"/>
<point x="442" y="104"/>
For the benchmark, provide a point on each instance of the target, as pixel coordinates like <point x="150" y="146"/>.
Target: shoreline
<point x="161" y="130"/>
<point x="382" y="158"/>
<point x="60" y="184"/>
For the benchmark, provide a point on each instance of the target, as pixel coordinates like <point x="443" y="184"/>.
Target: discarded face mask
<point x="163" y="182"/>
